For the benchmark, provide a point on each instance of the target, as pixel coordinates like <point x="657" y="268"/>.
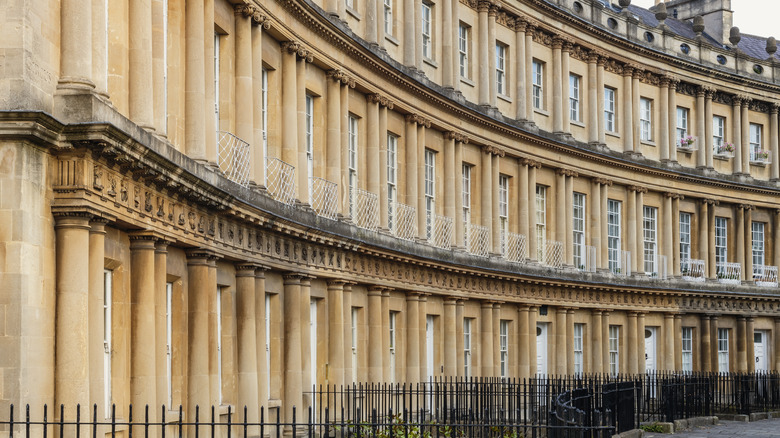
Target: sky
<point x="755" y="17"/>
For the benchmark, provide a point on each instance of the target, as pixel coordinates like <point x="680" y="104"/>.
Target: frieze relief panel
<point x="146" y="200"/>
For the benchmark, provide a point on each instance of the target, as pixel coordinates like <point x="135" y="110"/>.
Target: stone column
<point x="244" y="115"/>
<point x="663" y="140"/>
<point x="383" y="196"/>
<point x="640" y="343"/>
<point x="372" y="17"/>
<point x="194" y="82"/>
<point x="570" y="342"/>
<point x="669" y="352"/>
<point x="523" y="340"/>
<point x="676" y="234"/>
<point x="597" y="353"/>
<point x="411" y="163"/>
<point x="140" y="75"/>
<point x="708" y="141"/>
<point x="529" y="56"/>
<point x="637" y="75"/>
<point x="257" y="148"/>
<point x="410" y="43"/>
<point x="372" y="141"/>
<point x="677" y="341"/>
<point x="490" y="48"/>
<point x="747" y="272"/>
<point x="673" y="82"/>
<point x="460" y="226"/>
<point x="160" y="322"/>
<point x="557" y="86"/>
<point x="71" y="372"/>
<point x="746" y="136"/>
<point x="561" y="355"/>
<point x="261" y="335"/>
<point x="593" y="97"/>
<point x="632" y="238"/>
<point x="742" y="359"/>
<point x="334" y="144"/>
<point x="521" y="24"/>
<point x="200" y="292"/>
<point x="533" y="312"/>
<point x="247" y="341"/>
<point x="76" y="45"/>
<point x="714" y="343"/>
<point x="99" y="41"/>
<point x="448" y="43"/>
<point x="706" y="344"/>
<point x="701" y="155"/>
<point x="605" y="338"/>
<point x="666" y="227"/>
<point x="486" y="340"/>
<point x="750" y="346"/>
<point x="532" y="249"/>
<point x="375" y="334"/>
<point x="486" y="194"/>
<point x="496" y="340"/>
<point x="633" y="354"/>
<point x="736" y="136"/>
<point x="423" y="322"/>
<point x="336" y="353"/>
<point x="741" y="241"/>
<point x="142" y="290"/>
<point x="560" y="208"/>
<point x="386" y="372"/>
<point x="450" y="335"/>
<point x="773" y="141"/>
<point x="483" y="52"/>
<point x="293" y="362"/>
<point x="346" y="310"/>
<point x="97" y="243"/>
<point x="289" y="111"/>
<point x="703" y="231"/>
<point x="628" y="113"/>
<point x="565" y="96"/>
<point x="412" y="338"/>
<point x="600" y="90"/>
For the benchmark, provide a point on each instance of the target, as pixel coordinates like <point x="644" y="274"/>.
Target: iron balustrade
<point x="324" y="197"/>
<point x="692" y="270"/>
<point x="404" y="224"/>
<point x="280" y="180"/>
<point x="765" y="276"/>
<point x="729" y="273"/>
<point x="478" y="240"/>
<point x="233" y="157"/>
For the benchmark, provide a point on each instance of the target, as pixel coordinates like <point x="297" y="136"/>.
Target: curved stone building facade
<point x="223" y="203"/>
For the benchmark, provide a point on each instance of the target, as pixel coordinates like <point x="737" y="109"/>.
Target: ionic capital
<point x="452" y="135"/>
<point x="245" y="10"/>
<point x="494" y="150"/>
<point x="712" y="202"/>
<point x="638" y="189"/>
<point x="530" y="163"/>
<point x="742" y="99"/>
<point x="603" y="181"/>
<point x="418" y="120"/>
<point x="259" y="19"/>
<point x="673" y="195"/>
<point x="747" y="207"/>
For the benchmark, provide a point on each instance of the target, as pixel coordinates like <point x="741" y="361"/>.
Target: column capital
<point x="521" y="24"/>
<point x="244" y="10"/>
<point x="412" y="296"/>
<point x="98" y="225"/>
<point x="452" y="135"/>
<point x="341" y="76"/>
<point x="705" y="317"/>
<point x="638" y="73"/>
<point x="709" y="201"/>
<point x="375" y="290"/>
<point x="142" y="240"/>
<point x="671" y="80"/>
<point x="669" y="315"/>
<point x="418" y="119"/>
<point x="708" y="91"/>
<point x="628" y="70"/>
<point x="494" y="150"/>
<point x="557" y="42"/>
<point x="567" y="172"/>
<point x="298" y="49"/>
<point x="746" y="207"/>
<point x="199" y="256"/>
<point x="336" y="284"/>
<point x="293" y="277"/>
<point x="741" y="99"/>
<point x="603" y="181"/>
<point x="244" y="269"/>
<point x="674" y="195"/>
<point x="530" y="163"/>
<point x="161" y="246"/>
<point x="774" y="107"/>
<point x="596" y="312"/>
<point x="638" y="189"/>
<point x="259" y="19"/>
<point x="450" y="301"/>
<point x="487" y="304"/>
<point x="526" y="308"/>
<point x="483" y="6"/>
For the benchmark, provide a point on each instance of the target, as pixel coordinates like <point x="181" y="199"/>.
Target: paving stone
<point x="757" y="429"/>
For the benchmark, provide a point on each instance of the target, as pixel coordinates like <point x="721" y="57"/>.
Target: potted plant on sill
<point x="725" y="150"/>
<point x="760" y="156"/>
<point x="687" y="144"/>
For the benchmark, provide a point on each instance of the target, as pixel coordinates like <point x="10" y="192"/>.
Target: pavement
<point x="757" y="429"/>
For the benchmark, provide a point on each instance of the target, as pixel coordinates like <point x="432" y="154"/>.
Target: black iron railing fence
<point x="571" y="406"/>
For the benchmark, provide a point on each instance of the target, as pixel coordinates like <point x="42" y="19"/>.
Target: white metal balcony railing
<point x="692" y="270"/>
<point x="479" y="237"/>
<point x="729" y="273"/>
<point x="553" y="254"/>
<point x="760" y="156"/>
<point x="280" y="180"/>
<point x="324" y="197"/>
<point x="765" y="276"/>
<point x="515" y="247"/>
<point x="404" y="224"/>
<point x="442" y="232"/>
<point x="588" y="259"/>
<point x="623" y="266"/>
<point x="366" y="210"/>
<point x="661" y="269"/>
<point x="233" y="157"/>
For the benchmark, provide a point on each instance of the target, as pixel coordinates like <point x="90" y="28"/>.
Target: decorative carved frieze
<point x="687" y="88"/>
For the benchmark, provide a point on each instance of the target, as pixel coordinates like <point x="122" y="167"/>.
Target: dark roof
<point x="754" y="46"/>
<point x="679" y="27"/>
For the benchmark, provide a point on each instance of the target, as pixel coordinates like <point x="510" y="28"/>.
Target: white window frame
<point x="264" y="111"/>
<point x="467" y="347"/>
<point x="219" y="342"/>
<point x="392" y="182"/>
<point x="645" y="119"/>
<point x="267" y="317"/>
<point x="309" y="141"/>
<point x="758" y="250"/>
<point x="650" y="238"/>
<point x="501" y="70"/>
<point x="430" y="192"/>
<point x="721" y="243"/>
<point x="503" y="209"/>
<point x="609" y="110"/>
<point x="216" y="86"/>
<point x="614" y="350"/>
<point x="537" y="79"/>
<point x="578" y="230"/>
<point x="352" y="160"/>
<point x="685" y="239"/>
<point x="427" y="29"/>
<point x="108" y="292"/>
<point x="466" y="194"/>
<point x="682" y="124"/>
<point x="350" y="4"/>
<point x="687" y="349"/>
<point x="614" y="233"/>
<point x="756" y="144"/>
<point x="574" y="97"/>
<point x="504" y="347"/>
<point x="718" y="131"/>
<point x="354" y="341"/>
<point x="723" y="350"/>
<point x="579" y="330"/>
<point x="169" y="343"/>
<point x="388" y="16"/>
<point x="464" y="39"/>
<point x="392" y="345"/>
<point x="541" y="222"/>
